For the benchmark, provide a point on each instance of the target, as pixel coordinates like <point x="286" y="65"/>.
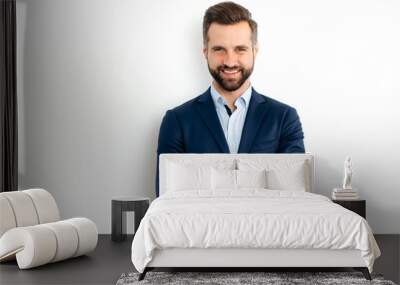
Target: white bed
<point x="203" y="220"/>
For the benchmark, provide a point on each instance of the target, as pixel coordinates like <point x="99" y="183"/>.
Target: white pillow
<point x="287" y="179"/>
<point x="223" y="179"/>
<point x="188" y="177"/>
<point x="282" y="174"/>
<point x="251" y="178"/>
<point x="237" y="179"/>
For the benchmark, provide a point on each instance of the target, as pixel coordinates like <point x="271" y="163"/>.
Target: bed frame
<point x="248" y="259"/>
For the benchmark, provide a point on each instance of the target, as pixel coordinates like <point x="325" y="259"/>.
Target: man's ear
<point x="255" y="49"/>
<point x="205" y="51"/>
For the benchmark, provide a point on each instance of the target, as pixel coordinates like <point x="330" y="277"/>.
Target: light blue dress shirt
<point x="232" y="125"/>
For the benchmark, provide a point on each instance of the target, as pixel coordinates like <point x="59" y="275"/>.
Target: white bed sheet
<point x="250" y="218"/>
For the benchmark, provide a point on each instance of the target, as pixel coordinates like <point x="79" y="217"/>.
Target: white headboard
<point x="210" y="157"/>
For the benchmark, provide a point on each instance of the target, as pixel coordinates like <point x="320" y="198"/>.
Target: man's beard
<point x="231" y="84"/>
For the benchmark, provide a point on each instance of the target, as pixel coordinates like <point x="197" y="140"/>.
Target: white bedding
<point x="250" y="218"/>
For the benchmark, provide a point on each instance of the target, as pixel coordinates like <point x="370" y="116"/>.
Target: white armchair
<point x="32" y="233"/>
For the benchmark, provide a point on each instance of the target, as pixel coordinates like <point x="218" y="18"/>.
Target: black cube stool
<point x="119" y="207"/>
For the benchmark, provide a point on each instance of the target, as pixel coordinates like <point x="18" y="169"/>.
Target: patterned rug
<point x="243" y="278"/>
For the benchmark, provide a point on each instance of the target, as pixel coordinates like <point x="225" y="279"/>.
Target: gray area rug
<point x="270" y="278"/>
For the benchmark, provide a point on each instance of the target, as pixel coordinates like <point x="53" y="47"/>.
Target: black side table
<point x="357" y="206"/>
<point x="119" y="207"/>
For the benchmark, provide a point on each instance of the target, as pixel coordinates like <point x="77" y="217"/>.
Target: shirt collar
<point x="219" y="100"/>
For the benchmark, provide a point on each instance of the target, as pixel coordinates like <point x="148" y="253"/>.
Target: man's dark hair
<point x="228" y="13"/>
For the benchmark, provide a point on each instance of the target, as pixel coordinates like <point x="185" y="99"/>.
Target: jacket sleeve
<point x="170" y="140"/>
<point x="291" y="139"/>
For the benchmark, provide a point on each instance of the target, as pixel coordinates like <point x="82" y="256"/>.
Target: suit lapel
<point x="254" y="116"/>
<point x="205" y="106"/>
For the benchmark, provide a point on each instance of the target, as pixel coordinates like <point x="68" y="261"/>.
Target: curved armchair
<point x="31" y="231"/>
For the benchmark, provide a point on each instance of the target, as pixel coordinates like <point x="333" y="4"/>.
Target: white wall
<point x="96" y="77"/>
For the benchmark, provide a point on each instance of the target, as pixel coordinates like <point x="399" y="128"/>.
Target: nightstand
<point x="357" y="206"/>
<point x="119" y="207"/>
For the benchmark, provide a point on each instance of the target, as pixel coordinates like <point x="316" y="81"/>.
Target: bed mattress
<point x="250" y="219"/>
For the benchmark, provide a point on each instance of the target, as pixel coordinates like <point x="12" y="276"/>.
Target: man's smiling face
<point x="230" y="54"/>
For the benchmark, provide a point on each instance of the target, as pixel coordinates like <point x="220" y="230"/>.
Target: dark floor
<point x="111" y="259"/>
<point x="102" y="266"/>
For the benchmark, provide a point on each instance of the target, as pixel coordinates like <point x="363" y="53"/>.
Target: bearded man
<point x="231" y="116"/>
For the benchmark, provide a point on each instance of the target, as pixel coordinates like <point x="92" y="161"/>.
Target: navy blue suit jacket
<point x="194" y="127"/>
